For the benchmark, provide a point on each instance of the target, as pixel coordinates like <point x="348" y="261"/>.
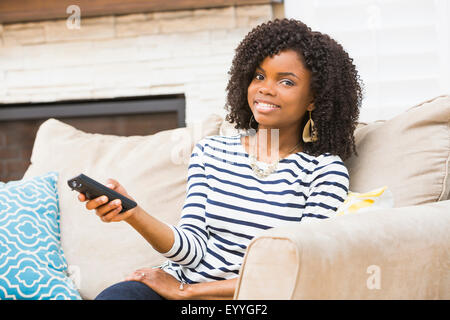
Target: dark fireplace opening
<point x="124" y="117"/>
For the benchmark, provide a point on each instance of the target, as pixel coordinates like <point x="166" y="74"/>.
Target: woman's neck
<point x="270" y="144"/>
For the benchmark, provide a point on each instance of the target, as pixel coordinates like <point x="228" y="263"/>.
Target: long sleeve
<point x="226" y="205"/>
<point x="191" y="234"/>
<point x="328" y="188"/>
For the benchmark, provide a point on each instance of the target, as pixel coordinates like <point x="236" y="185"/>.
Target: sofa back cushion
<point x="409" y="153"/>
<point x="153" y="169"/>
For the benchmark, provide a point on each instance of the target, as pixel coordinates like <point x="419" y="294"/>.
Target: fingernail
<point x="104" y="199"/>
<point x="116" y="202"/>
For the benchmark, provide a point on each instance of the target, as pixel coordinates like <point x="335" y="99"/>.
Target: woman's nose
<point x="266" y="90"/>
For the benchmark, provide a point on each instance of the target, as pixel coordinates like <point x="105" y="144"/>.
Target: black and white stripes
<point x="227" y="205"/>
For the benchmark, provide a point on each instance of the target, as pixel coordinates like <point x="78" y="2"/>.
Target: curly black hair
<point x="335" y="83"/>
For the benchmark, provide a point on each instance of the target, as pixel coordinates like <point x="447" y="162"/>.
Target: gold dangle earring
<point x="310" y="131"/>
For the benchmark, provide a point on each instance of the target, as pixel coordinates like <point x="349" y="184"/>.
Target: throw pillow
<point x="153" y="169"/>
<point x="32" y="262"/>
<point x="369" y="201"/>
<point x="410" y="153"/>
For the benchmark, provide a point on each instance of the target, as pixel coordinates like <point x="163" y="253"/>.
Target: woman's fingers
<point x="138" y="275"/>
<point x="81" y="197"/>
<point x="112" y="214"/>
<point x="108" y="207"/>
<point x="107" y="210"/>
<point x="116" y="186"/>
<point x="95" y="203"/>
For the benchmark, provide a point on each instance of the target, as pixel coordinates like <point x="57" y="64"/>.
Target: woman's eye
<point x="259" y="76"/>
<point x="287" y="82"/>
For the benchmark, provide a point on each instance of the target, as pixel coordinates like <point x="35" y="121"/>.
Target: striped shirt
<point x="227" y="205"/>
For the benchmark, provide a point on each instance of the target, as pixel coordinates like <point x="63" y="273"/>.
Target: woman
<point x="298" y="94"/>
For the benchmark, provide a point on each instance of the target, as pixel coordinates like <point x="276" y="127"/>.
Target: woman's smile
<point x="279" y="94"/>
<point x="265" y="107"/>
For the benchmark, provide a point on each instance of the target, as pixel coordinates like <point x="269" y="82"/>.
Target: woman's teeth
<point x="266" y="105"/>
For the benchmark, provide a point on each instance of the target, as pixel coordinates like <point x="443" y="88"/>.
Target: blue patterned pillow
<point x="32" y="263"/>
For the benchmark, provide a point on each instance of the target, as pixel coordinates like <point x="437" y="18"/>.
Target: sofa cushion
<point x="408" y="153"/>
<point x="153" y="169"/>
<point x="397" y="253"/>
<point x="32" y="263"/>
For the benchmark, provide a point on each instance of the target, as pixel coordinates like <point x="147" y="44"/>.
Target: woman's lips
<point x="265" y="107"/>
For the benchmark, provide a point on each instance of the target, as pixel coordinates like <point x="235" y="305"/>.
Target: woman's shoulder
<point x="320" y="160"/>
<point x="219" y="140"/>
<point x="331" y="166"/>
<point x="328" y="158"/>
<point x="326" y="162"/>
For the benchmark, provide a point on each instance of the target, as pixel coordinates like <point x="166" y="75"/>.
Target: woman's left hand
<point x="160" y="281"/>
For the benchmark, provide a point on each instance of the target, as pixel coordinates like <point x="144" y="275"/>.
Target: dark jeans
<point x="129" y="290"/>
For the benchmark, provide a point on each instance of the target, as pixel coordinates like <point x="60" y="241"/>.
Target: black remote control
<point x="93" y="189"/>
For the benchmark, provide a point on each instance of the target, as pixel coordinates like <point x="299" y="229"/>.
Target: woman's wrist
<point x="187" y="292"/>
<point x="134" y="217"/>
<point x="215" y="290"/>
<point x="156" y="232"/>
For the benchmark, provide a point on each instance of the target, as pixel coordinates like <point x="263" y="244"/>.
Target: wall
<point x="400" y="47"/>
<point x="186" y="52"/>
<point x="180" y="52"/>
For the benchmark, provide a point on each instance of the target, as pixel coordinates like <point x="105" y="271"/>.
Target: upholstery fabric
<point x="397" y="253"/>
<point x="32" y="262"/>
<point x="409" y="153"/>
<point x="153" y="170"/>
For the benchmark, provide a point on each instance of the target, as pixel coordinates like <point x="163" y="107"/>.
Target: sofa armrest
<point x="398" y="253"/>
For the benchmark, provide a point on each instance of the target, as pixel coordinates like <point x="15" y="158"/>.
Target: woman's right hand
<point x="109" y="211"/>
<point x="159" y="234"/>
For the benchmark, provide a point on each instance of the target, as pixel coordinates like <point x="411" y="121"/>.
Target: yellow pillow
<point x="368" y="201"/>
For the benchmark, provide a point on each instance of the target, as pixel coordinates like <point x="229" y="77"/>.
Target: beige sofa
<point x="397" y="253"/>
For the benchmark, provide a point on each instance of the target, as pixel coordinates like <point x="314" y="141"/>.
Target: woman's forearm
<point x="156" y="232"/>
<point x="215" y="290"/>
<point x="161" y="237"/>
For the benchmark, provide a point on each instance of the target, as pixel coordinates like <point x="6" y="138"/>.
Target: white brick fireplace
<point x="176" y="52"/>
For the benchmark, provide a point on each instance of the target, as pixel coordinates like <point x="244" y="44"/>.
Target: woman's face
<point x="279" y="94"/>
